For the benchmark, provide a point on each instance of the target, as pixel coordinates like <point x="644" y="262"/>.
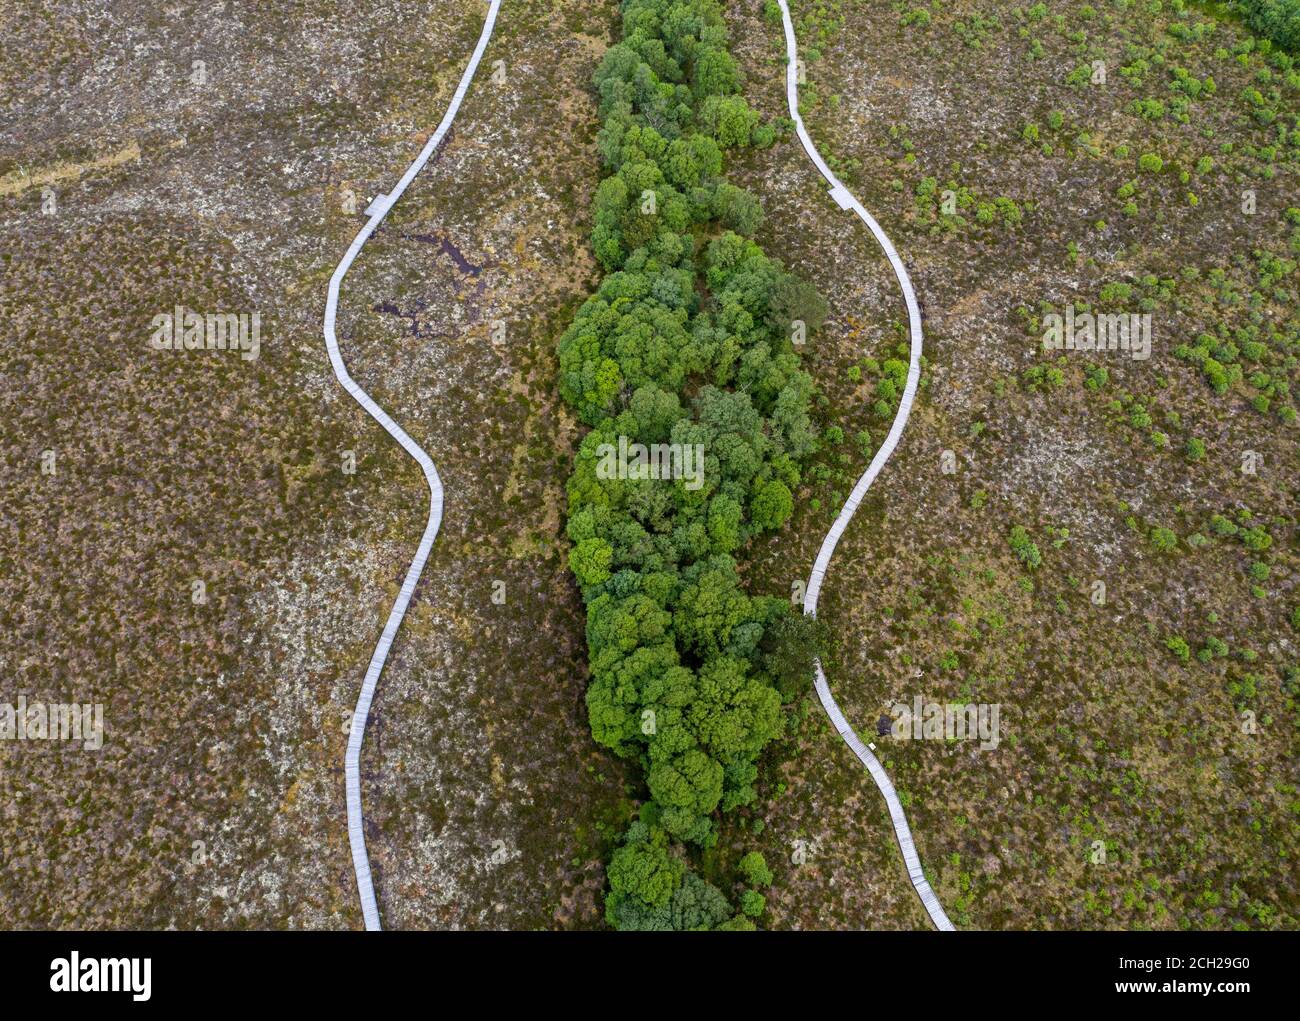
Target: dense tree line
<point x="688" y="341"/>
<point x="1278" y="20"/>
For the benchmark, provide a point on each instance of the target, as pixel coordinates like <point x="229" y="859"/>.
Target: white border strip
<point x="845" y="200"/>
<point x="376" y="212"/>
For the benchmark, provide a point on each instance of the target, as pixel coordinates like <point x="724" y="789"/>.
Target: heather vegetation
<point x="1113" y="559"/>
<point x="690" y="342"/>
<point x="171" y="467"/>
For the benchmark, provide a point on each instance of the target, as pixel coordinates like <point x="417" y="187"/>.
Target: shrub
<point x="1024" y="547"/>
<point x="1096" y="376"/>
<point x="1255" y="539"/>
<point x="1216" y="647"/>
<point x="753" y="867"/>
<point x="1220" y="525"/>
<point x="1163" y="539"/>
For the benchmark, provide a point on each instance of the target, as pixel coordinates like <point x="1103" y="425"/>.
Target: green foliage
<point x="1278" y="20"/>
<point x="644" y="871"/>
<point x="590" y="560"/>
<point x="771" y="505"/>
<point x="1150" y="109"/>
<point x="753" y="867"/>
<point x="1024" y="547"/>
<point x="1179" y="647"/>
<point x="687" y="788"/>
<point x="1255" y="539"/>
<point x="729" y="119"/>
<point x="651" y="889"/>
<point x="788" y="648"/>
<point x="1221" y="525"/>
<point x="687" y="342"/>
<point x="1163" y="539"/>
<point x="792" y="299"/>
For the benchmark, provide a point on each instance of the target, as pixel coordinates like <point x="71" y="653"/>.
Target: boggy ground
<point x="490" y="805"/>
<point x="235" y="185"/>
<point x="1132" y="787"/>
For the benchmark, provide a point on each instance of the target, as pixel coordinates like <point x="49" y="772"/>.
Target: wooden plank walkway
<point x="845" y="200"/>
<point x="375" y="212"/>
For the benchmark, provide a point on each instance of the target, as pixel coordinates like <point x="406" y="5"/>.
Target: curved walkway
<point x="845" y="200"/>
<point x="376" y="212"/>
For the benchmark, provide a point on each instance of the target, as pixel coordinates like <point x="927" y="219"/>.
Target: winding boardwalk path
<point x="375" y="213"/>
<point x="845" y="200"/>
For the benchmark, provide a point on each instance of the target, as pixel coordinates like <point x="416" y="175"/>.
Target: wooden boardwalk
<point x="375" y="214"/>
<point x="845" y="200"/>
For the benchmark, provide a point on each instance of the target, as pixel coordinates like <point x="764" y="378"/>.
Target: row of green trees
<point x="688" y="341"/>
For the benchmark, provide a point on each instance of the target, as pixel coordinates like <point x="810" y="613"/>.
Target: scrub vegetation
<point x="1103" y="544"/>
